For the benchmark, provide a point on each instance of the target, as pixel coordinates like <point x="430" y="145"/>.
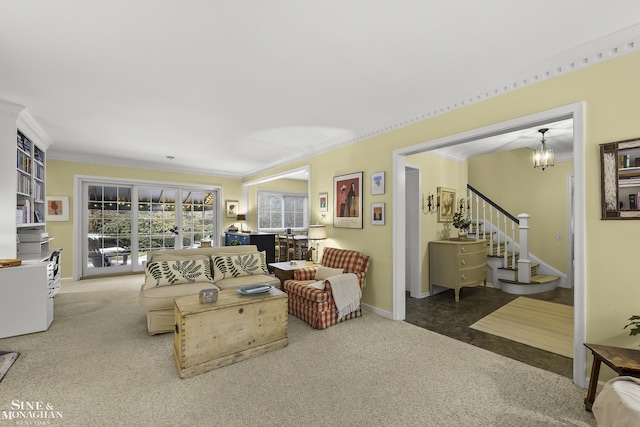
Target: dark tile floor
<point x="440" y="313"/>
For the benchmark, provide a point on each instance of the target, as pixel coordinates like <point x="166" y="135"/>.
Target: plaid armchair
<point x="317" y="307"/>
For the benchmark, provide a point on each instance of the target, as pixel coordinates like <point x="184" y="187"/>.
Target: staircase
<point x="506" y="269"/>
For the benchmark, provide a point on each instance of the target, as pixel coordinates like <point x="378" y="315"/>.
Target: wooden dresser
<point x="455" y="264"/>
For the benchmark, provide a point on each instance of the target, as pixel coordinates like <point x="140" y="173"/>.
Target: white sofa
<point x="158" y="292"/>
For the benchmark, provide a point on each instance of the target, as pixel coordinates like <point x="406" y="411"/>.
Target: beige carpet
<point x="97" y="366"/>
<point x="540" y="324"/>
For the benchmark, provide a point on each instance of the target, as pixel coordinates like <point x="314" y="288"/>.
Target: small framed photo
<point x="37" y="215"/>
<point x="447" y="202"/>
<point x="57" y="208"/>
<point x="377" y="213"/>
<point x="232" y="208"/>
<point x="323" y="202"/>
<point x="377" y="183"/>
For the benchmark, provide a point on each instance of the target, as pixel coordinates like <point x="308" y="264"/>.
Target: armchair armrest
<point x="304" y="273"/>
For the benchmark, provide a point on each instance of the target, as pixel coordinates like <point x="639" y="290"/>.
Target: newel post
<point x="524" y="263"/>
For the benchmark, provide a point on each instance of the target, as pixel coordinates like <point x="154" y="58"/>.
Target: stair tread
<point x="535" y="280"/>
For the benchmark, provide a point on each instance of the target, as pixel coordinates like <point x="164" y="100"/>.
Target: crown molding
<point x="32" y="129"/>
<point x="136" y="164"/>
<point x="597" y="51"/>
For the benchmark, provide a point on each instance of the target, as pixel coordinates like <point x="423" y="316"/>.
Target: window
<point x="278" y="210"/>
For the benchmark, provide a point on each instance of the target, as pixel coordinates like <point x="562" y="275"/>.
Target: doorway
<point x="573" y="111"/>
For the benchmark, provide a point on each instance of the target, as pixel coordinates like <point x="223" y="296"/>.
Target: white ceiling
<point x="237" y="87"/>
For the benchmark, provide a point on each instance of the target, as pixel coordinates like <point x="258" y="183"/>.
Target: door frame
<point x="574" y="111"/>
<point x="78" y="208"/>
<point x="414" y="234"/>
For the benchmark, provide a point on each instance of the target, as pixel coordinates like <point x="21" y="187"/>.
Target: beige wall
<point x="60" y="181"/>
<point x="508" y="179"/>
<point x="610" y="92"/>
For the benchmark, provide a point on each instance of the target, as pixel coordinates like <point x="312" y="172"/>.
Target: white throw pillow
<point x="326" y="272"/>
<point x="227" y="266"/>
<point x="166" y="273"/>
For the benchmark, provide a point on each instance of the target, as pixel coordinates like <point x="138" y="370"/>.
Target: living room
<point x="603" y="80"/>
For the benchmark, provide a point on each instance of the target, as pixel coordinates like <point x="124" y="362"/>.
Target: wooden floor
<point x="440" y="313"/>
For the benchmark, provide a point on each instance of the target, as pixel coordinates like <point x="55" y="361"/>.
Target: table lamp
<point x="241" y="218"/>
<point x="316" y="235"/>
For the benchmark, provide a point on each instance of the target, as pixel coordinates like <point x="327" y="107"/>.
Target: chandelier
<point x="543" y="157"/>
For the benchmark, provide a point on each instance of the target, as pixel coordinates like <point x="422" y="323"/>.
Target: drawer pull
<point x="463" y="277"/>
<point x="463" y="262"/>
<point x="462" y="249"/>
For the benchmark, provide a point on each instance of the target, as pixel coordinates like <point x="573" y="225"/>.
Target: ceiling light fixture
<point x="543" y="157"/>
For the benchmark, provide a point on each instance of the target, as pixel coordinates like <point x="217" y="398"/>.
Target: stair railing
<point x="500" y="221"/>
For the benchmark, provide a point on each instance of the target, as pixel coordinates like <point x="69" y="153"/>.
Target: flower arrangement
<point x="461" y="221"/>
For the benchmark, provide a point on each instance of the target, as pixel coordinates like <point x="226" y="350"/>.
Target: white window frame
<point x="305" y="214"/>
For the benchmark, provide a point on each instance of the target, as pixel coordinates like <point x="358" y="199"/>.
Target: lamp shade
<point x="241" y="217"/>
<point x="317" y="232"/>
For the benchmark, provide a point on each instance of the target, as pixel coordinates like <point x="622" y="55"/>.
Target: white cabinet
<point x="27" y="291"/>
<point x="23" y="172"/>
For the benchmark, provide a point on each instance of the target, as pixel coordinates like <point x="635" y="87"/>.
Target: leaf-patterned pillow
<point x="227" y="266"/>
<point x="166" y="273"/>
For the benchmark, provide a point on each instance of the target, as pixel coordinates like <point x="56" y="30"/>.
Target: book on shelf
<point x="632" y="201"/>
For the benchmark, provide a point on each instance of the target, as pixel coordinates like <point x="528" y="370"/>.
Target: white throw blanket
<point x="618" y="404"/>
<point x="346" y="293"/>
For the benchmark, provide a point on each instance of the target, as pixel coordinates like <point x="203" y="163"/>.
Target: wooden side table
<point x="624" y="361"/>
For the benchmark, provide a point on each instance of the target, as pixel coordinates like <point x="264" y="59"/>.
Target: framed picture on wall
<point x="447" y="202"/>
<point x="57" y="208"/>
<point x="377" y="183"/>
<point x="232" y="207"/>
<point x="377" y="213"/>
<point x="323" y="202"/>
<point x="347" y="200"/>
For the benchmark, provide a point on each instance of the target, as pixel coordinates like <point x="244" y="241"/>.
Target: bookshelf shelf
<point x="30" y="187"/>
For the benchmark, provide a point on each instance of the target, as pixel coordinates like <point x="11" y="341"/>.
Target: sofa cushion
<point x="227" y="266"/>
<point x="177" y="272"/>
<point x="325" y="272"/>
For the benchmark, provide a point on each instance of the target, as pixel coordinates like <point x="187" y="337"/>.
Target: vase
<point x="462" y="234"/>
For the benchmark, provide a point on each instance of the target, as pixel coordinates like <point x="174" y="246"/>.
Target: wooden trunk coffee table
<point x="234" y="328"/>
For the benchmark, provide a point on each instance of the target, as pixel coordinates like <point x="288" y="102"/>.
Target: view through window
<point x="282" y="210"/>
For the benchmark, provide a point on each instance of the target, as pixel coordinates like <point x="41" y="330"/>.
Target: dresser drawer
<point x="472" y="275"/>
<point x="473" y="247"/>
<point x="472" y="259"/>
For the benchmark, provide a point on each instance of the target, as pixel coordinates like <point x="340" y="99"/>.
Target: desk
<point x="624" y="361"/>
<point x="284" y="270"/>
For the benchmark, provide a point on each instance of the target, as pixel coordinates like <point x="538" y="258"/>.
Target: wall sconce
<point x="430" y="206"/>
